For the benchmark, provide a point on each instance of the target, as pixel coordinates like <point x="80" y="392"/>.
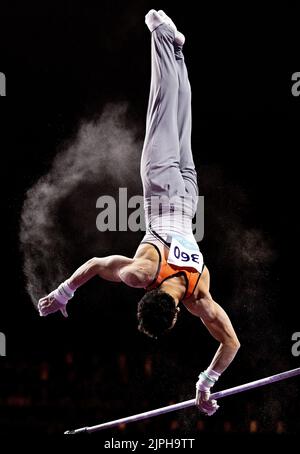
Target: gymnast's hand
<point x="49" y="305"/>
<point x="204" y="402"/>
<point x="56" y="301"/>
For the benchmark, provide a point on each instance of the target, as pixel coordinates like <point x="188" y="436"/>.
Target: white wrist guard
<point x="63" y="293"/>
<point x="207" y="379"/>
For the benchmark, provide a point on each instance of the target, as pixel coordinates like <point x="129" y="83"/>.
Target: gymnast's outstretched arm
<point x="115" y="268"/>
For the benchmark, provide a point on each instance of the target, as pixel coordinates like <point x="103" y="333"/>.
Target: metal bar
<point x="187" y="403"/>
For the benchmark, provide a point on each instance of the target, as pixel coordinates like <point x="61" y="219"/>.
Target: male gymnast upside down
<point x="167" y="263"/>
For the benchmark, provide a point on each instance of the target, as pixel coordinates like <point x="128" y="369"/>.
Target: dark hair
<point x="156" y="313"/>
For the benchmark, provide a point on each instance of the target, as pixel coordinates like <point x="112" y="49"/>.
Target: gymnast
<point x="168" y="263"/>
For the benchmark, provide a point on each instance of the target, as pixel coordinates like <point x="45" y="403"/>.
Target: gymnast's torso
<point x="156" y="250"/>
<point x="170" y="245"/>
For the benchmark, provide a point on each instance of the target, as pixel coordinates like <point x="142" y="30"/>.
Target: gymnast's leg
<point x="187" y="166"/>
<point x="160" y="162"/>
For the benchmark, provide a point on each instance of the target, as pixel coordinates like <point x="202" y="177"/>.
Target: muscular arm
<point x="116" y="268"/>
<point x="109" y="268"/>
<point x="219" y="325"/>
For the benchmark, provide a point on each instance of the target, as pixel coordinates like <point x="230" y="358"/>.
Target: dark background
<point x="63" y="62"/>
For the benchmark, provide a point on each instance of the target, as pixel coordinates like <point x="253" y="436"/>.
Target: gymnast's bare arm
<point x="115" y="268"/>
<point x="218" y="324"/>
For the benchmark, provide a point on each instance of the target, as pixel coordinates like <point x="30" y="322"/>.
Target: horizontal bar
<point x="187" y="403"/>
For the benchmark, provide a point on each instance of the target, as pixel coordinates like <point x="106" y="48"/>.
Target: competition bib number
<point x="185" y="254"/>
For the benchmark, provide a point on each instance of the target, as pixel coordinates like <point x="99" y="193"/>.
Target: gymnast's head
<point x="157" y="313"/>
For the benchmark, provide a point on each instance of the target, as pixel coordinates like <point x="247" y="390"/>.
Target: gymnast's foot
<point x="153" y="20"/>
<point x="179" y="37"/>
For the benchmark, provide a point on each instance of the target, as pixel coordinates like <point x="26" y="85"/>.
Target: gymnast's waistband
<point x="168" y="217"/>
<point x="152" y="236"/>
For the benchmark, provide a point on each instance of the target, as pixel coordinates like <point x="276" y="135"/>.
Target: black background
<point x="63" y="62"/>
